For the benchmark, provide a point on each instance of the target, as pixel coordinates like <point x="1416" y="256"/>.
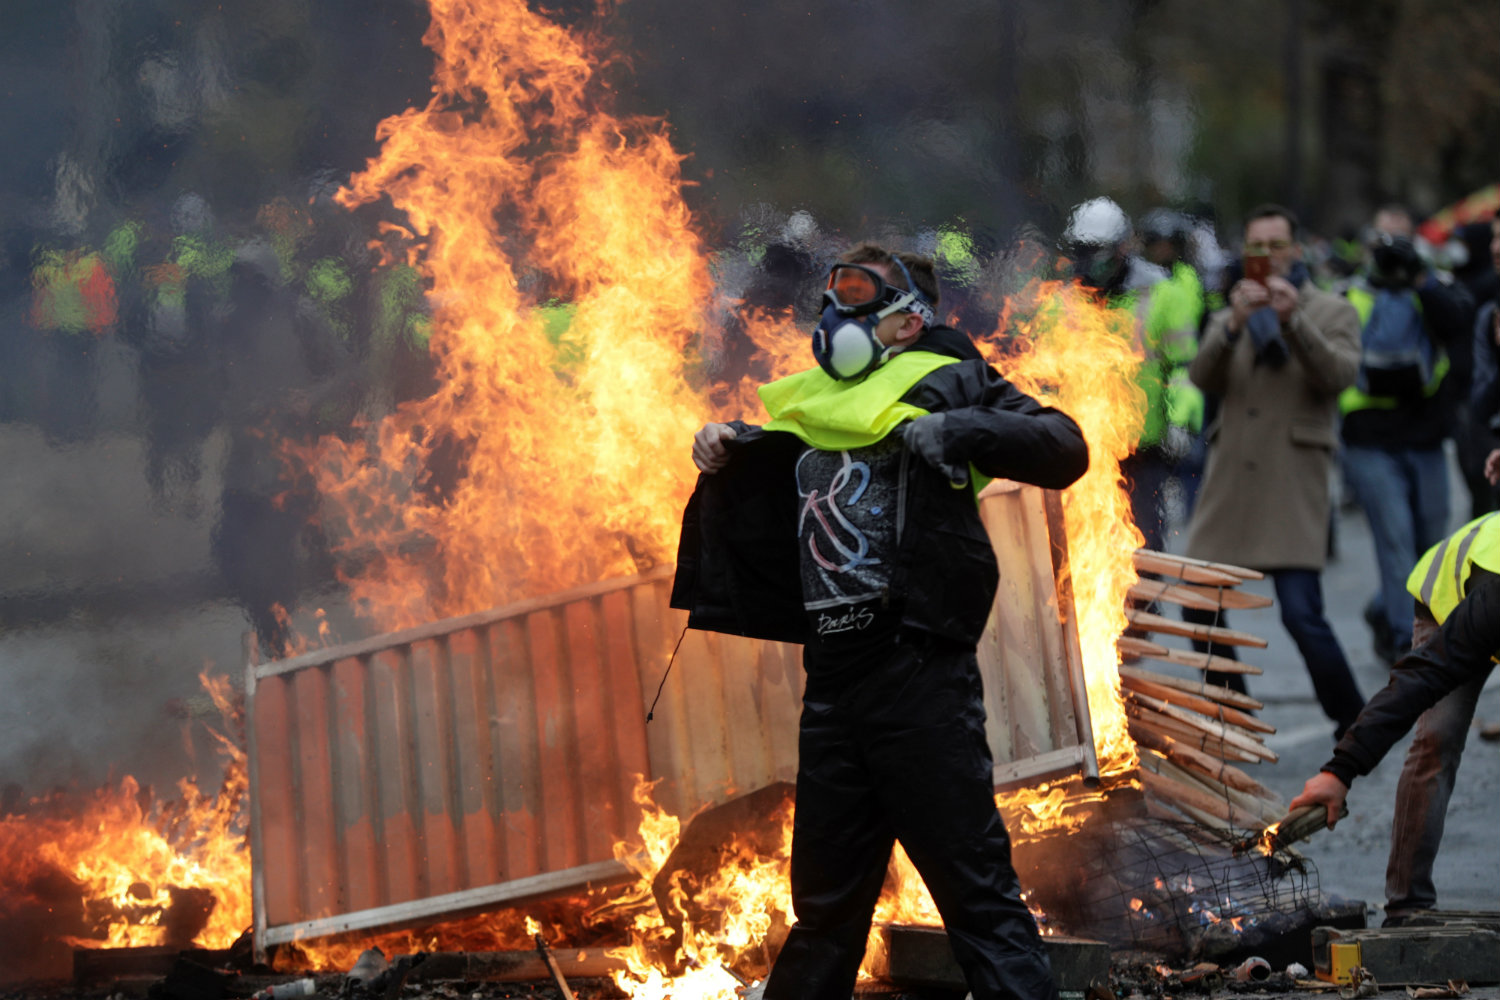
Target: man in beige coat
<point x="1277" y="358"/>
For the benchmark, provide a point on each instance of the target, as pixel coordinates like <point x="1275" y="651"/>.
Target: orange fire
<point x="746" y="895"/>
<point x="581" y="921"/>
<point x="573" y="310"/>
<point x="135" y="869"/>
<point x="568" y="296"/>
<point x="1082" y="357"/>
<point x="520" y="191"/>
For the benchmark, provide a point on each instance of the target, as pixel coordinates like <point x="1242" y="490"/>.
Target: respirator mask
<point x="856" y="300"/>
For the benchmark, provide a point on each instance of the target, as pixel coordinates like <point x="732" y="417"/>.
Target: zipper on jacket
<point x="902" y="478"/>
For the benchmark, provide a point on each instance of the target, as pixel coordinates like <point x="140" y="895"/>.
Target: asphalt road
<point x="1351" y="859"/>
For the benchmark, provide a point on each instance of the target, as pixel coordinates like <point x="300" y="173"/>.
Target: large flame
<point x="568" y="293"/>
<point x="569" y="298"/>
<point x="1077" y="353"/>
<point x="518" y="188"/>
<point x="747" y="893"/>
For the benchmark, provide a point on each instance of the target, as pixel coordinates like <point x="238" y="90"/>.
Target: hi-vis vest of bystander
<point x="1441" y="576"/>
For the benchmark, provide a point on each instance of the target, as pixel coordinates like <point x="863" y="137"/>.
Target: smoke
<point x="179" y="296"/>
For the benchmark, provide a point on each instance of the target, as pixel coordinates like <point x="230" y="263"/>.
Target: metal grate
<point x="1171" y="888"/>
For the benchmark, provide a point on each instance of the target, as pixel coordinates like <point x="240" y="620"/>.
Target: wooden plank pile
<point x="1193" y="737"/>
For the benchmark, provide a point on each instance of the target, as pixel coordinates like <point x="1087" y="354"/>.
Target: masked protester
<point x="849" y="524"/>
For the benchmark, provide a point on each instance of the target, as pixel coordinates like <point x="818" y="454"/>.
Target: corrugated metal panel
<point x="484" y="759"/>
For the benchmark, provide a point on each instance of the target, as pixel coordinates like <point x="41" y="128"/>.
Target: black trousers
<point x="895" y="750"/>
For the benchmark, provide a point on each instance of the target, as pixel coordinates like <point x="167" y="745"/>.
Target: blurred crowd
<point x="1396" y="441"/>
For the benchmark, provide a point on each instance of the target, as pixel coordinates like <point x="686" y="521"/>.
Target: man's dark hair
<point x="1271" y="210"/>
<point x="922" y="269"/>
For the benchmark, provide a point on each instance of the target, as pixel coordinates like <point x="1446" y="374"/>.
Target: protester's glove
<point x="924" y="436"/>
<point x="1265" y="333"/>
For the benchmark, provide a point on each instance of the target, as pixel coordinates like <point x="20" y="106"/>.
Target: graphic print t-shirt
<point x="846" y="533"/>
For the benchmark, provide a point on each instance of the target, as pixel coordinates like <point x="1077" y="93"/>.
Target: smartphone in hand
<point x="1258" y="267"/>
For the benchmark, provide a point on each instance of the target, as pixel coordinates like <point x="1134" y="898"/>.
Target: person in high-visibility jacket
<point x="1174" y="318"/>
<point x="1393" y="456"/>
<point x="1435" y="687"/>
<point x="1099" y="241"/>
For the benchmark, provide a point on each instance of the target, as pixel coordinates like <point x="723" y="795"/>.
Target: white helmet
<point x="1098" y="222"/>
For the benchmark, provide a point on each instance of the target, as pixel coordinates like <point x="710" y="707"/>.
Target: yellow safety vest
<point x="1441" y="576"/>
<point x="1168" y="328"/>
<point x="833" y="415"/>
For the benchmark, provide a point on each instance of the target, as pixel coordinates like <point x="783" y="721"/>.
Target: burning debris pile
<point x="1172" y="876"/>
<point x="122" y="867"/>
<point x="704" y="906"/>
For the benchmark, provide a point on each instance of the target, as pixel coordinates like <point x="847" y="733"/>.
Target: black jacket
<point x="1459" y="651"/>
<point x="738" y="568"/>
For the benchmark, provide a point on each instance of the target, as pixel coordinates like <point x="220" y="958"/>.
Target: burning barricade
<point x="482" y="772"/>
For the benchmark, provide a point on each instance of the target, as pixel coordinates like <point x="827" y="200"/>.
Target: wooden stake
<point x="1167" y="564"/>
<point x="1228" y="597"/>
<point x="1132" y="646"/>
<point x="1204" y="706"/>
<point x="1179" y="793"/>
<point x="1232" y="735"/>
<point x="1185" y="734"/>
<point x="1208" y="633"/>
<point x="1147" y="591"/>
<point x="1264" y="811"/>
<point x="1217" y="692"/>
<point x="1173" y="812"/>
<point x="1196" y="760"/>
<point x="557" y="976"/>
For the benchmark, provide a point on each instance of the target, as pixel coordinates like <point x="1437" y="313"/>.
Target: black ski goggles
<point x="856" y="290"/>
